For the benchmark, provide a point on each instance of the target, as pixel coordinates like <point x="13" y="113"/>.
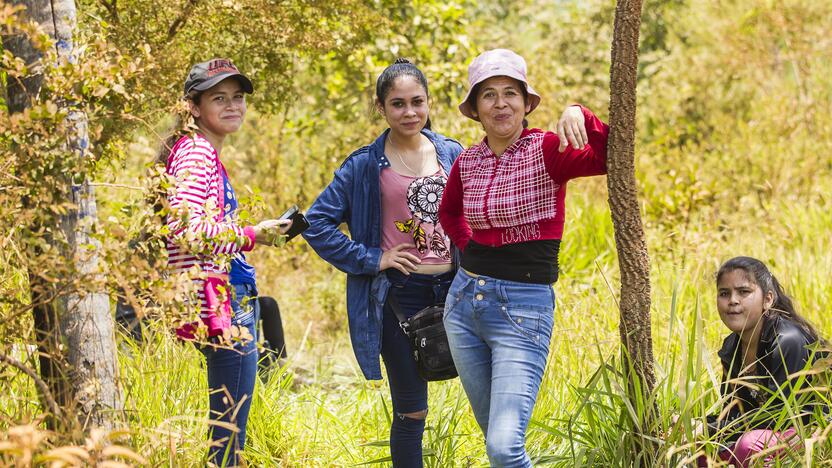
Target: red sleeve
<point x="588" y="161"/>
<point x="450" y="210"/>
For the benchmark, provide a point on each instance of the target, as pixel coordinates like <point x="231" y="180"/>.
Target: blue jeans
<point x="231" y="375"/>
<point x="408" y="392"/>
<point x="499" y="333"/>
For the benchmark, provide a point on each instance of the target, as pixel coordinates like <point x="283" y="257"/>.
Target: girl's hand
<point x="696" y="426"/>
<point x="572" y="129"/>
<point x="267" y="232"/>
<point x="403" y="261"/>
<point x="284" y="225"/>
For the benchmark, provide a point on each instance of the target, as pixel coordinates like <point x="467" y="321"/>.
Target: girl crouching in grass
<point x="769" y="342"/>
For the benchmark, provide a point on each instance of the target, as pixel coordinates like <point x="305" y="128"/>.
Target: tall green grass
<point x="732" y="148"/>
<point x="317" y="410"/>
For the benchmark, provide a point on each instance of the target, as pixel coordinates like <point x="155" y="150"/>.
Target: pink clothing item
<point x="217" y="298"/>
<point x="197" y="217"/>
<point x="496" y="62"/>
<point x="520" y="195"/>
<point x="410" y="215"/>
<point x="754" y="442"/>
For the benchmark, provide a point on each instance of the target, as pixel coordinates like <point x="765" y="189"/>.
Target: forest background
<point x="733" y="158"/>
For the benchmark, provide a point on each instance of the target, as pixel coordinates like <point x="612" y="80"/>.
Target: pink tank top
<point x="410" y="215"/>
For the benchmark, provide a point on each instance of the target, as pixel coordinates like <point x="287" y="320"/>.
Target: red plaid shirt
<point x="518" y="196"/>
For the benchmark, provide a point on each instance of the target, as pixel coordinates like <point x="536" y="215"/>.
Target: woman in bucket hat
<point x="504" y="208"/>
<point x="206" y="237"/>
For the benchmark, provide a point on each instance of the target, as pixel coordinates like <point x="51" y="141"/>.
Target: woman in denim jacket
<point x="388" y="193"/>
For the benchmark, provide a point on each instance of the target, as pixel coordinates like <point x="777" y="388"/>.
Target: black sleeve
<point x="790" y="355"/>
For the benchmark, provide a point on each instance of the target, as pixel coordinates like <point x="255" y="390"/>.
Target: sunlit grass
<point x="721" y="174"/>
<point x="317" y="410"/>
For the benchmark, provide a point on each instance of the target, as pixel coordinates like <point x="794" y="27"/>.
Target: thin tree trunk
<point x="623" y="196"/>
<point x="81" y="374"/>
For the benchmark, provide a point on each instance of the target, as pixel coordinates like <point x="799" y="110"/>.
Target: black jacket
<point x="784" y="348"/>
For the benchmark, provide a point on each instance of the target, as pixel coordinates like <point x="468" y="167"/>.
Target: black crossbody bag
<point x="426" y="333"/>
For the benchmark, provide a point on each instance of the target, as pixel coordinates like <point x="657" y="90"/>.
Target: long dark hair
<point x="401" y="67"/>
<point x="783" y="305"/>
<point x="184" y="124"/>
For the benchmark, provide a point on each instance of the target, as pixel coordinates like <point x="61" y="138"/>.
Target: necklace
<point x="421" y="167"/>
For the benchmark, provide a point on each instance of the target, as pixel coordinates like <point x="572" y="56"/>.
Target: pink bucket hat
<point x="497" y="62"/>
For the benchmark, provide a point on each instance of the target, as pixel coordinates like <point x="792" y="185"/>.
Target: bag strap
<point x="394" y="304"/>
<point x="397" y="311"/>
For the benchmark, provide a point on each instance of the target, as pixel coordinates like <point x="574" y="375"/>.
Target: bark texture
<point x="633" y="260"/>
<point x="74" y="326"/>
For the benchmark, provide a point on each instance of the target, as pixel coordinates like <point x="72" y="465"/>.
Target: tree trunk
<point x="74" y="327"/>
<point x="623" y="197"/>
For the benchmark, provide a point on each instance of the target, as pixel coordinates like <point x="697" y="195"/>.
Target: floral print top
<point x="410" y="215"/>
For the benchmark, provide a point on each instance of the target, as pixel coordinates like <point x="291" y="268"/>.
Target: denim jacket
<point x="354" y="197"/>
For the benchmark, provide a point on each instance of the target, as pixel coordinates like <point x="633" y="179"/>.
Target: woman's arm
<point x="332" y="208"/>
<point x="192" y="212"/>
<point x="451" y="215"/>
<point x="564" y="161"/>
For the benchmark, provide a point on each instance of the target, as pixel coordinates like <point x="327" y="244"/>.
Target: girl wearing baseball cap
<point x="206" y="237"/>
<point x="503" y="206"/>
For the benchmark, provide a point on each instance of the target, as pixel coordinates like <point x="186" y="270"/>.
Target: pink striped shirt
<point x="201" y="240"/>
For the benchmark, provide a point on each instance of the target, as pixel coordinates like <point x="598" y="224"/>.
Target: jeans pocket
<point x="244" y="338"/>
<point x="524" y="320"/>
<point x="451" y="302"/>
<point x="243" y="317"/>
<point x="243" y="304"/>
<point x="243" y="310"/>
<point x="527" y="296"/>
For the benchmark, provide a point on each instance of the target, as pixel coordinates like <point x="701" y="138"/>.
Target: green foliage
<point x="292" y="154"/>
<point x="263" y="38"/>
<point x="732" y="144"/>
<point x="39" y="168"/>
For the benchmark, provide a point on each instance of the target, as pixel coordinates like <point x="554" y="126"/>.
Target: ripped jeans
<point x="408" y="391"/>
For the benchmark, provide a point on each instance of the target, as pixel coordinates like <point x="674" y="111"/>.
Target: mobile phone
<point x="288" y="214"/>
<point x="299" y="222"/>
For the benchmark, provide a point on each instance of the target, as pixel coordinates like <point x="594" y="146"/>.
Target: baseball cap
<point x="207" y="74"/>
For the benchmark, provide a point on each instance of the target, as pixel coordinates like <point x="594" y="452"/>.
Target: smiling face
<point x="741" y="302"/>
<point x="501" y="107"/>
<point x="406" y="106"/>
<point x="221" y="108"/>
